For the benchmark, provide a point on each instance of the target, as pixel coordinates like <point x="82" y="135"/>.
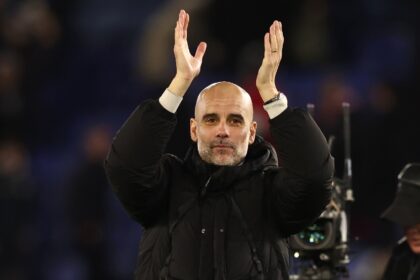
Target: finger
<point x="179" y="26"/>
<point x="182" y="17"/>
<point x="200" y="51"/>
<point x="279" y="35"/>
<point x="267" y="46"/>
<point x="187" y="20"/>
<point x="273" y="37"/>
<point x="177" y="31"/>
<point x="181" y="22"/>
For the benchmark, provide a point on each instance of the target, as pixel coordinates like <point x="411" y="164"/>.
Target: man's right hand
<point x="187" y="66"/>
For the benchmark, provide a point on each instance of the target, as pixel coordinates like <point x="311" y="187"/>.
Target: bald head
<point x="223" y="125"/>
<point x="224" y="93"/>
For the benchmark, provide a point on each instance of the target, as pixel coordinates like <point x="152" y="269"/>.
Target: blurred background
<point x="71" y="72"/>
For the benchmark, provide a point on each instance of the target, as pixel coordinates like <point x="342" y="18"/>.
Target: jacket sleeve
<point x="301" y="188"/>
<point x="136" y="166"/>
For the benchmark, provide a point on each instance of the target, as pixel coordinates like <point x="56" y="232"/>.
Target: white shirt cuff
<point x="170" y="101"/>
<point x="277" y="107"/>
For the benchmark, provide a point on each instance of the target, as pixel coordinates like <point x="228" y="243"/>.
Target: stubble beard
<point x="221" y="158"/>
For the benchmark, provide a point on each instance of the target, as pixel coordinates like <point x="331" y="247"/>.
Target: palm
<point x="268" y="70"/>
<point x="187" y="65"/>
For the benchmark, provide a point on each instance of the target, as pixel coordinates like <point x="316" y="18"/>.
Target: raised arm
<point x="137" y="167"/>
<point x="301" y="189"/>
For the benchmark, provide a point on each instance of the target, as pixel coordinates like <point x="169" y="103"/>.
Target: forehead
<point x="224" y="100"/>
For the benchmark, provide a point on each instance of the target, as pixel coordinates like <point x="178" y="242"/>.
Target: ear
<point x="193" y="129"/>
<point x="253" y="132"/>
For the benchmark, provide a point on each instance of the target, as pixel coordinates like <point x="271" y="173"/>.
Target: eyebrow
<point x="209" y="115"/>
<point x="214" y="115"/>
<point x="239" y="116"/>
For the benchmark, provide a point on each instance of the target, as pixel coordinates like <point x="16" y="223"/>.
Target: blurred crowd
<point x="72" y="71"/>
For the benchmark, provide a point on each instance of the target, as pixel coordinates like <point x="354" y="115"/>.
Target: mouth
<point x="222" y="146"/>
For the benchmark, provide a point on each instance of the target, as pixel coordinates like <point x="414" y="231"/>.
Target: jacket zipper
<point x="202" y="194"/>
<point x="204" y="189"/>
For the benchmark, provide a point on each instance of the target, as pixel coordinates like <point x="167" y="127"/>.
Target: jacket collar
<point x="261" y="155"/>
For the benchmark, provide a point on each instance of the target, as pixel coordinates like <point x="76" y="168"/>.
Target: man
<point x="224" y="210"/>
<point x="404" y="263"/>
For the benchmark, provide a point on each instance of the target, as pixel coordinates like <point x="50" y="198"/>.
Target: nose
<point x="222" y="130"/>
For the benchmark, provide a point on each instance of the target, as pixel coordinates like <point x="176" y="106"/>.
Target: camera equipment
<point x="320" y="251"/>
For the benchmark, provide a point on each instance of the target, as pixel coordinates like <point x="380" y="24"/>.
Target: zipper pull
<point x="204" y="189"/>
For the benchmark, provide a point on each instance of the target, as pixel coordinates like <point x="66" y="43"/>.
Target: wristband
<point x="275" y="98"/>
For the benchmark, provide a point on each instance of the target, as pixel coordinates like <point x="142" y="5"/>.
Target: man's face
<point x="413" y="237"/>
<point x="223" y="126"/>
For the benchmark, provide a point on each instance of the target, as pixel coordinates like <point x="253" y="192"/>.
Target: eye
<point x="236" y="121"/>
<point x="210" y="120"/>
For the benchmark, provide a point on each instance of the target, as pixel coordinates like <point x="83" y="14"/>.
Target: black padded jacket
<point x="221" y="223"/>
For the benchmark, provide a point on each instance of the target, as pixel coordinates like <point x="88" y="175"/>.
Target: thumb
<point x="200" y="51"/>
